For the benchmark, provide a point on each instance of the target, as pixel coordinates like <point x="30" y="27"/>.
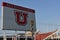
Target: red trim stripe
<point x="18" y="7"/>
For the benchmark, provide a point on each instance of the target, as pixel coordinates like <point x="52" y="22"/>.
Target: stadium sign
<point x="18" y="17"/>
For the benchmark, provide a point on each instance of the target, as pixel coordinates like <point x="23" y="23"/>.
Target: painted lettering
<point x="21" y="18"/>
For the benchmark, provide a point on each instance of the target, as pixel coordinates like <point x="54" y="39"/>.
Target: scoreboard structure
<point x="18" y="18"/>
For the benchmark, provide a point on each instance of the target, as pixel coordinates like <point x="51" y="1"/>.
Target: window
<point x="9" y="38"/>
<point x="22" y="38"/>
<point x="1" y="38"/>
<point x="29" y="38"/>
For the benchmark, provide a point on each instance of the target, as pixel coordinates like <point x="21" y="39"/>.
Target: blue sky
<point x="47" y="12"/>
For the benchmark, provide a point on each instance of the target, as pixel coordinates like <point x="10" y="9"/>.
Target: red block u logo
<point x="21" y="18"/>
